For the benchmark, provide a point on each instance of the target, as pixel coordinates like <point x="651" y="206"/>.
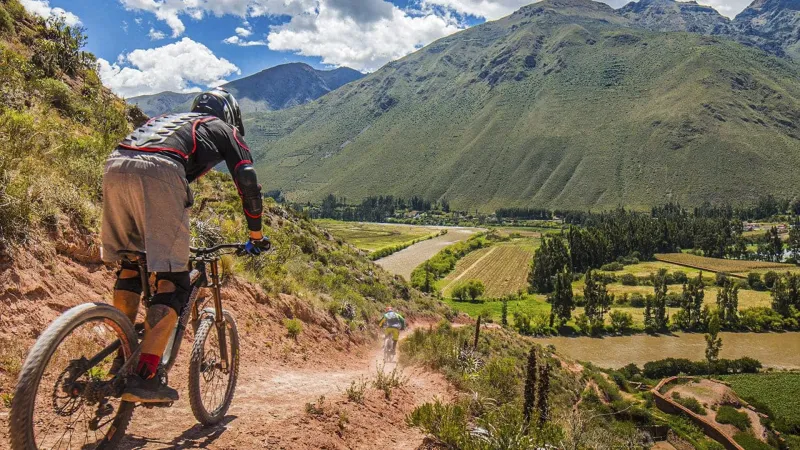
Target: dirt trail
<point x="269" y="410"/>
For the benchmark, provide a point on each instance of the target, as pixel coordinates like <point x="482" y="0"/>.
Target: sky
<point x="151" y="46"/>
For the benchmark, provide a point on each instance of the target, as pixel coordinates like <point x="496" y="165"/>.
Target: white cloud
<point x="156" y="35"/>
<point x="243" y="32"/>
<point x="340" y="40"/>
<point x="236" y="40"/>
<point x="42" y="8"/>
<point x="182" y="67"/>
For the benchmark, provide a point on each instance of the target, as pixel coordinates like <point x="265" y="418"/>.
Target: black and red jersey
<point x="200" y="142"/>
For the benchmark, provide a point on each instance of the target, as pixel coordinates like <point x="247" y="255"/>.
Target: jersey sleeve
<point x="240" y="165"/>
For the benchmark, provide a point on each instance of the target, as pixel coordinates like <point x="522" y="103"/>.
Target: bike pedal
<point x="156" y="405"/>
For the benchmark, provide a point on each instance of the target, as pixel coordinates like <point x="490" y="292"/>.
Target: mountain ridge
<point x="278" y="87"/>
<point x="561" y="104"/>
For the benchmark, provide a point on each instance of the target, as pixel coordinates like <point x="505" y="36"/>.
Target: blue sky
<point x="149" y="46"/>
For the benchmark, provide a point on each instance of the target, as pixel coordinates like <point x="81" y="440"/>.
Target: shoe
<point x="116" y="365"/>
<point x="151" y="390"/>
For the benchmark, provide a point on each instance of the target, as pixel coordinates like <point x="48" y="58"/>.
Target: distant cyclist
<point x="392" y="322"/>
<point x="146" y="201"/>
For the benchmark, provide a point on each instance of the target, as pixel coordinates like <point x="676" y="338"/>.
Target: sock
<point x="148" y="365"/>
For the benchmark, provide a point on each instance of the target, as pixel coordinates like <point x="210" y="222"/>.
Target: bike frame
<point x="198" y="278"/>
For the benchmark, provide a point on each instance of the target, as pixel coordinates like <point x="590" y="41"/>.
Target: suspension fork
<point x="219" y="318"/>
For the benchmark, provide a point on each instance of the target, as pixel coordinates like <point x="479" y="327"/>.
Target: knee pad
<point x="129" y="284"/>
<point x="177" y="299"/>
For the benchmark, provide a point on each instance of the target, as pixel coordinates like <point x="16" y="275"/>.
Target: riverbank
<point x="776" y="350"/>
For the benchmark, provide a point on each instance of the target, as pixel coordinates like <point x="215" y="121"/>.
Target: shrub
<point x="355" y="393"/>
<point x="621" y="321"/>
<point x="448" y="423"/>
<point x="754" y="281"/>
<point x="669" y="367"/>
<point x="721" y="278"/>
<point x="728" y="414"/>
<point x="628" y="279"/>
<point x="637" y="300"/>
<point x="499" y="379"/>
<point x="612" y="267"/>
<point x="293" y="327"/>
<point x="386" y="381"/>
<point x="680" y="277"/>
<point x="6" y="22"/>
<point x="770" y="278"/>
<point x="630" y="370"/>
<point x="690" y="403"/>
<point x="622" y="299"/>
<point x="749" y="442"/>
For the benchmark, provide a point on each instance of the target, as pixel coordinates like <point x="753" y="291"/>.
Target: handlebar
<point x="216" y="248"/>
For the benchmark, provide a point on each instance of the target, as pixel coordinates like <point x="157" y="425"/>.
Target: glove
<point x="255" y="247"/>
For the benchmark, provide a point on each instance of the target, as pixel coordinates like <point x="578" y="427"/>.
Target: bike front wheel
<point x="65" y="396"/>
<point x="212" y="380"/>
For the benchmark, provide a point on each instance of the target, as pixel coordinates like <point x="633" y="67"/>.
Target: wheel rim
<point x="75" y="405"/>
<point x="214" y="378"/>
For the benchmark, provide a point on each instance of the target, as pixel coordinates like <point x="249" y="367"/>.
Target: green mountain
<point x="275" y="88"/>
<point x="561" y="104"/>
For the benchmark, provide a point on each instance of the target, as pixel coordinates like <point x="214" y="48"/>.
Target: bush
<point x="728" y="414"/>
<point x="769" y="279"/>
<point x="628" y="279"/>
<point x="754" y="281"/>
<point x="637" y="300"/>
<point x="612" y="267"/>
<point x="293" y="327"/>
<point x="355" y="393"/>
<point x="630" y="370"/>
<point x="721" y="278"/>
<point x="6" y="22"/>
<point x="749" y="442"/>
<point x="669" y="367"/>
<point x="621" y="321"/>
<point x="690" y="403"/>
<point x="448" y="423"/>
<point x="680" y="277"/>
<point x="622" y="299"/>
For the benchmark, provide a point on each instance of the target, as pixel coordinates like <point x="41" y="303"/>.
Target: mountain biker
<point x="146" y="201"/>
<point x="392" y="322"/>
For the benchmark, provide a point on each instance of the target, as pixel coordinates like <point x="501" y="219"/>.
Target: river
<point x="779" y="350"/>
<point x="406" y="260"/>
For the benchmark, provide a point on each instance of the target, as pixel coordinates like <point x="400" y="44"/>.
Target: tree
<point x="530" y="386"/>
<point x="728" y="304"/>
<point x="692" y="297"/>
<point x="713" y="341"/>
<point x="561" y="301"/>
<point x="475" y="289"/>
<point x="794" y="241"/>
<point x="659" y="317"/>
<point x="621" y="321"/>
<point x="504" y="312"/>
<point x="542" y="392"/>
<point x="598" y="300"/>
<point x="785" y="294"/>
<point x="771" y="247"/>
<point x="551" y="258"/>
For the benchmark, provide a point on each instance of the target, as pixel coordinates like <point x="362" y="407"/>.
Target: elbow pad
<point x="250" y="191"/>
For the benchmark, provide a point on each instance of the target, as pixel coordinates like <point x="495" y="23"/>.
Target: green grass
<point x="373" y="236"/>
<point x="729" y="414"/>
<point x="467" y="120"/>
<point x="749" y="442"/>
<point x="531" y="305"/>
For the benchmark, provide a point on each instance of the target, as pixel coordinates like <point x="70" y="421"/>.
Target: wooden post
<point x="477" y="332"/>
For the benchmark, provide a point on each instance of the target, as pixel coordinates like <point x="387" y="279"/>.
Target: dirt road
<point x="405" y="261"/>
<point x="269" y="410"/>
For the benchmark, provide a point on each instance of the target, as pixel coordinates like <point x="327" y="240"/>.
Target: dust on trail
<point x="269" y="409"/>
<point x="405" y="261"/>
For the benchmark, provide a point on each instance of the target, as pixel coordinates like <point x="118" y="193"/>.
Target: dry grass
<point x="720" y="265"/>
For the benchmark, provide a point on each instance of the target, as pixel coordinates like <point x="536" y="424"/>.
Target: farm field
<point x="732" y="266"/>
<point x="779" y="391"/>
<point x="531" y="305"/>
<point x="646" y="268"/>
<point x="502" y="268"/>
<point x="372" y="236"/>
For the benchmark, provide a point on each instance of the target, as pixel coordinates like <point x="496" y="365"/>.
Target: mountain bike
<point x="388" y="348"/>
<point x="66" y="396"/>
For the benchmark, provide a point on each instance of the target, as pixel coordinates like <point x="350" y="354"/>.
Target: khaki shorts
<point x="146" y="201"/>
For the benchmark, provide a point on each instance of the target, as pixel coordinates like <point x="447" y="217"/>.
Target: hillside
<point x="561" y="104"/>
<point x="671" y="15"/>
<point x="275" y="88"/>
<point x="772" y="25"/>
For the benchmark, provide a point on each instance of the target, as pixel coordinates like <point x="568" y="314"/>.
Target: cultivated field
<point x="502" y="268"/>
<point x="405" y="261"/>
<point x="779" y="391"/>
<point x="732" y="266"/>
<point x="372" y="236"/>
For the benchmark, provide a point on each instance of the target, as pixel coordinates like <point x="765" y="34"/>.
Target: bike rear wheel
<point x="211" y="384"/>
<point x="65" y="396"/>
